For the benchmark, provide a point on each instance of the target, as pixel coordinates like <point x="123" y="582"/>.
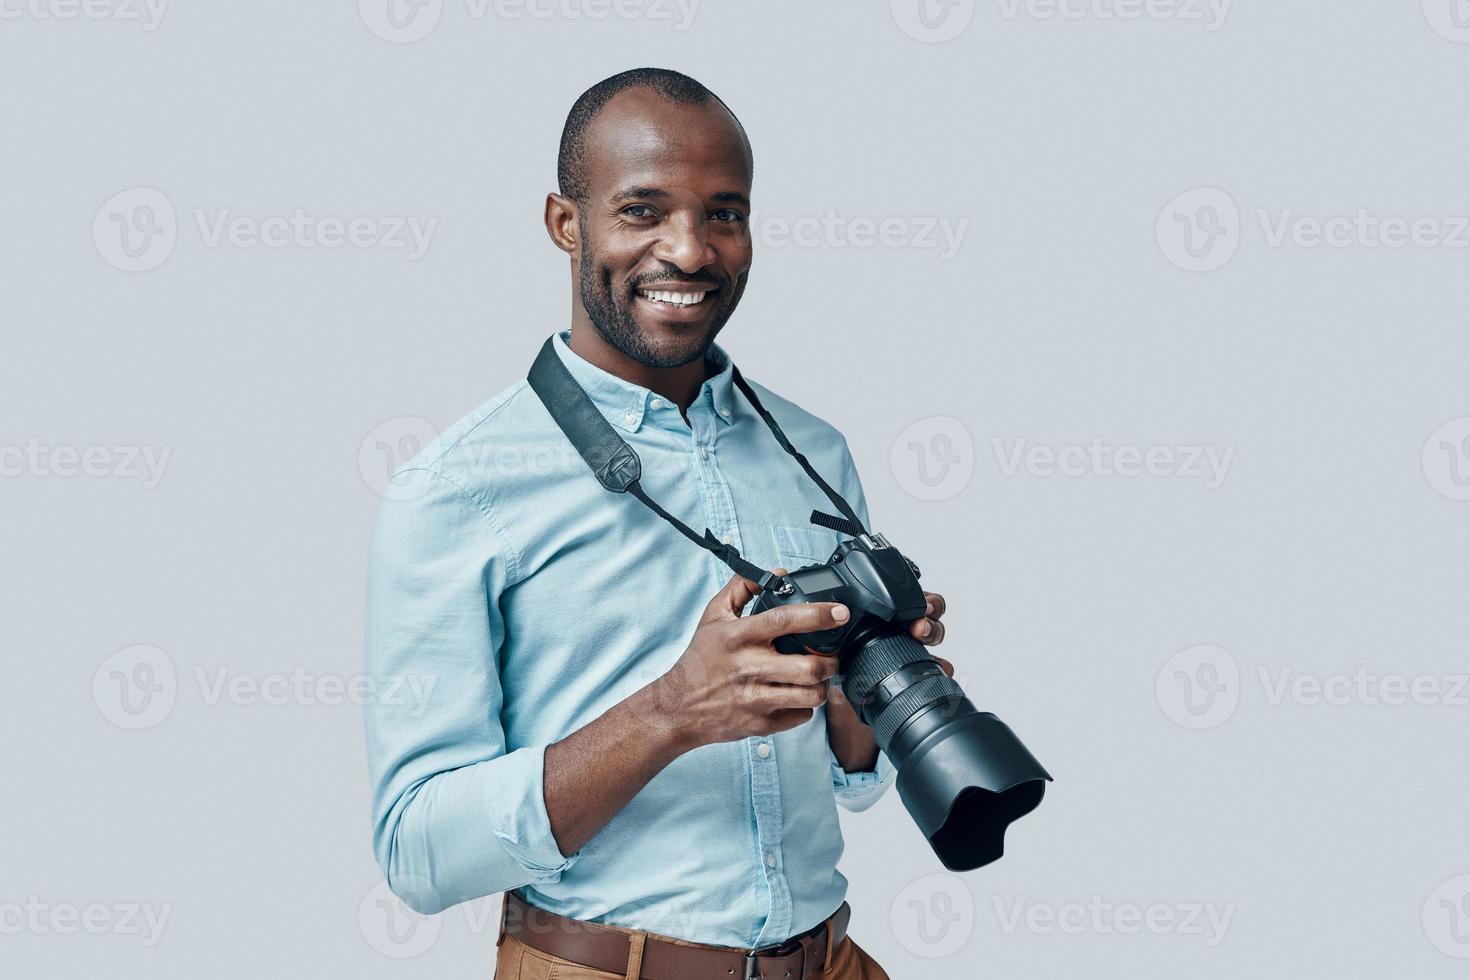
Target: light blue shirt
<point x="528" y="600"/>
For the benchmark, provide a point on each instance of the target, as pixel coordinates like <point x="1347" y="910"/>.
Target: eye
<point x="726" y="215"/>
<point x="638" y="212"/>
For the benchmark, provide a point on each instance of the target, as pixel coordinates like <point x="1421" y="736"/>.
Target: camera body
<point x="868" y="575"/>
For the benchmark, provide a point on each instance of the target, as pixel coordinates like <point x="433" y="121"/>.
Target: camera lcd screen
<point x="819" y="580"/>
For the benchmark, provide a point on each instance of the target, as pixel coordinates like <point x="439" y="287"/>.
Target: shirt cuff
<point x="518" y="815"/>
<point x="856" y="791"/>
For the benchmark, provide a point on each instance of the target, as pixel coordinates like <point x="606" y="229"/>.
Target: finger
<point x="935" y="605"/>
<point x="729" y="602"/>
<point x="801" y="617"/>
<point x="945" y="666"/>
<point x="780" y="697"/>
<point x="793" y="668"/>
<point x="929" y="632"/>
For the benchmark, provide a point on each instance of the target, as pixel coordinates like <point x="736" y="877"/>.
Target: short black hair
<point x="673" y="86"/>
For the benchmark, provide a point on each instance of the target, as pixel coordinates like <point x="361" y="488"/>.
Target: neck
<point x="679" y="385"/>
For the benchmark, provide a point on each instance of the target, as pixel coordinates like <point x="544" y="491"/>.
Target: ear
<point x="561" y="223"/>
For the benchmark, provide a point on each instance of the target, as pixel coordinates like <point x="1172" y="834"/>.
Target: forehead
<point x="641" y="139"/>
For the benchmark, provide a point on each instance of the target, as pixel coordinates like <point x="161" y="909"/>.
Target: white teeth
<point x="673" y="298"/>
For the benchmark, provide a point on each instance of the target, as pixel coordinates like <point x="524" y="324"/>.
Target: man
<point x="651" y="783"/>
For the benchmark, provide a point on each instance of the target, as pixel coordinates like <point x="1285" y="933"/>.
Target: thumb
<point x="730" y="601"/>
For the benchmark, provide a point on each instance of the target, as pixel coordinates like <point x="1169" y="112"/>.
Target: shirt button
<point x="629" y="417"/>
<point x="770" y="859"/>
<point x="657" y="404"/>
<point x="763" y="749"/>
<point x="725" y="412"/>
<point x="726" y="539"/>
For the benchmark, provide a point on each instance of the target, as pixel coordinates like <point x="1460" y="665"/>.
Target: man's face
<point x="665" y="236"/>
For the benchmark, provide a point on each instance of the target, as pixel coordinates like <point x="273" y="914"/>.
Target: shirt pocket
<point x="800" y="546"/>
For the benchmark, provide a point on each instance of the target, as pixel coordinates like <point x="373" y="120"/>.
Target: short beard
<point x="612" y="317"/>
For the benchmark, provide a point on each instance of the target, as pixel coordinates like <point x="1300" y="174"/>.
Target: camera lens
<point x="963" y="775"/>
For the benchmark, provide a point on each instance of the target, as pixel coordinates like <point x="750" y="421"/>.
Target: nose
<point x="685" y="243"/>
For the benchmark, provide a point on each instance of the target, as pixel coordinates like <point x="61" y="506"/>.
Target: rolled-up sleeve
<point x="857" y="791"/>
<point x="455" y="815"/>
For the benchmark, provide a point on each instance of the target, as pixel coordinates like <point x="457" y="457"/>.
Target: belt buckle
<point x="779" y="949"/>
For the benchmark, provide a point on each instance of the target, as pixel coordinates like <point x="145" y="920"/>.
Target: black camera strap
<point x="617" y="467"/>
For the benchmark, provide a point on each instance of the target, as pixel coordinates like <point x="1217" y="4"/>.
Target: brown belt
<point x="603" y="948"/>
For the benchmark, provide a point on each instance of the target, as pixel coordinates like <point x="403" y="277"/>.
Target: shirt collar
<point x="624" y="403"/>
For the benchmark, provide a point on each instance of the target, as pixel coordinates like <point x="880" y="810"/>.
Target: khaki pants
<point x="517" y="961"/>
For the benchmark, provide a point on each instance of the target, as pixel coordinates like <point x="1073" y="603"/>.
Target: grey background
<point x="1334" y="835"/>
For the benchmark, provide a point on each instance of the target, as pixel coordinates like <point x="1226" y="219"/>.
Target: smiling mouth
<point x="677" y="298"/>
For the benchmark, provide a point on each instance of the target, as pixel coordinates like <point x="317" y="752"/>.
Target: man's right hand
<point x="731" y="682"/>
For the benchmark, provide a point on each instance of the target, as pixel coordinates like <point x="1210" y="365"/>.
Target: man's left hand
<point x="928" y="629"/>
